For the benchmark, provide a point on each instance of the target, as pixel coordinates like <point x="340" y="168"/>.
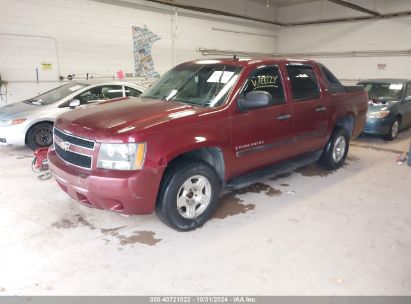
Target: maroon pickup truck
<point x="200" y="127"/>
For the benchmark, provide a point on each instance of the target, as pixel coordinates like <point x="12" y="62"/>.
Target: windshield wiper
<point x="33" y="101"/>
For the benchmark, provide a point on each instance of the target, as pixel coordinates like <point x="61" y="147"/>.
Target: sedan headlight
<point x="121" y="156"/>
<point x="378" y="114"/>
<point x="10" y="122"/>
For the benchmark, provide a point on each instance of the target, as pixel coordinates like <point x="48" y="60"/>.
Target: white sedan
<point x="30" y="122"/>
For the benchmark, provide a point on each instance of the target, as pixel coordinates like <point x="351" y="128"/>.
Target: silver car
<point x="31" y="121"/>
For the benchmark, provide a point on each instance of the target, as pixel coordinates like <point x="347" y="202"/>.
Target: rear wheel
<point x="336" y="151"/>
<point x="40" y="136"/>
<point x="394" y="130"/>
<point x="188" y="195"/>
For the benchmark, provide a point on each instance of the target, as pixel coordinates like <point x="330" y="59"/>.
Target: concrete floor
<point x="308" y="233"/>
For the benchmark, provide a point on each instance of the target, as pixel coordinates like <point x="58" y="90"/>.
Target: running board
<point x="280" y="168"/>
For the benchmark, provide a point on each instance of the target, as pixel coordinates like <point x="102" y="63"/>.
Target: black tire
<point x="328" y="159"/>
<point x="40" y="136"/>
<point x="394" y="130"/>
<point x="172" y="190"/>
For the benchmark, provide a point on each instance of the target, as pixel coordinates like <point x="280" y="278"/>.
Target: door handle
<point x="284" y="117"/>
<point x="320" y="109"/>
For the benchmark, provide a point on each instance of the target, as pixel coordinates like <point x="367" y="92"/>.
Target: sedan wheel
<point x="40" y="136"/>
<point x="394" y="130"/>
<point x="43" y="137"/>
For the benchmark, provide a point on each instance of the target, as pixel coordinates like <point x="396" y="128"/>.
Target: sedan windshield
<point x="384" y="91"/>
<point x="56" y="94"/>
<point x="199" y="84"/>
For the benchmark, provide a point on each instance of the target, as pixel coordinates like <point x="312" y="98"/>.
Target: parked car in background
<point x="198" y="129"/>
<point x="389" y="107"/>
<point x="31" y="121"/>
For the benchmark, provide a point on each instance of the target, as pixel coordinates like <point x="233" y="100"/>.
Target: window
<point x="130" y="92"/>
<point x="331" y="79"/>
<point x="57" y="94"/>
<point x="267" y="79"/>
<point x="100" y="93"/>
<point x="203" y="83"/>
<point x="334" y="84"/>
<point x="384" y="91"/>
<point x="408" y="93"/>
<point x="304" y="83"/>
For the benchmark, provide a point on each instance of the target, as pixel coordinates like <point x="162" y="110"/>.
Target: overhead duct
<point x="355" y="7"/>
<point x="170" y="5"/>
<point x="364" y="53"/>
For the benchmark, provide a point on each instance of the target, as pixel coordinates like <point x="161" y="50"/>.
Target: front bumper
<point x="378" y="126"/>
<point x="13" y="135"/>
<point x="126" y="192"/>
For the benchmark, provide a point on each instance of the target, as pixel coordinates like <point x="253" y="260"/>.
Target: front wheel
<point x="188" y="195"/>
<point x="394" y="130"/>
<point x="40" y="136"/>
<point x="335" y="152"/>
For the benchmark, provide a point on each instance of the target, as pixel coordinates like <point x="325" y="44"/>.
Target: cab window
<point x="304" y="83"/>
<point x="267" y="79"/>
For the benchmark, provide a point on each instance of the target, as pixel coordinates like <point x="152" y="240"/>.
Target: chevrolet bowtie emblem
<point x="65" y="145"/>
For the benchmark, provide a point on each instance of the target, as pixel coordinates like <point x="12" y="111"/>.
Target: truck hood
<point x="19" y="110"/>
<point x="112" y="121"/>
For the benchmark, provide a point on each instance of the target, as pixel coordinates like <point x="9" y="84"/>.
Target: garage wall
<point x="389" y="35"/>
<point x="80" y="36"/>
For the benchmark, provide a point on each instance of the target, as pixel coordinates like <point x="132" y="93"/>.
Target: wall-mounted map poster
<point x="143" y="39"/>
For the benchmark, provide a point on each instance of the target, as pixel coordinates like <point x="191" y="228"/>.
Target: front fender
<point x="45" y="116"/>
<point x="163" y="147"/>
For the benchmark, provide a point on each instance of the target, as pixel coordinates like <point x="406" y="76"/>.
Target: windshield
<point x="56" y="94"/>
<point x="384" y="91"/>
<point x="205" y="85"/>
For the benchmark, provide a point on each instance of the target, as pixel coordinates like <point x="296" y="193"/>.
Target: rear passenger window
<point x="267" y="79"/>
<point x="110" y="92"/>
<point x="330" y="76"/>
<point x="304" y="83"/>
<point x="130" y="92"/>
<point x="334" y="85"/>
<point x="100" y="93"/>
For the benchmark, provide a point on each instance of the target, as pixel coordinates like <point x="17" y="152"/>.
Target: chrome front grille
<point x="64" y="143"/>
<point x="81" y="142"/>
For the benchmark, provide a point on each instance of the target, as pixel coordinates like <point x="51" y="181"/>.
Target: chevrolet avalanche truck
<point x="198" y="128"/>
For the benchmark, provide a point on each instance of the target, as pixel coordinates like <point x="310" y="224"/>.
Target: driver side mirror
<point x="255" y="100"/>
<point x="408" y="98"/>
<point x="74" y="103"/>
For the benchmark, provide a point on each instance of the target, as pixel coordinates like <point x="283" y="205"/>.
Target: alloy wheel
<point x="340" y="145"/>
<point x="194" y="196"/>
<point x="395" y="128"/>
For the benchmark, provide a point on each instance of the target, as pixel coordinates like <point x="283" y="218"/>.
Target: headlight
<point x="379" y="114"/>
<point x="121" y="156"/>
<point x="10" y="122"/>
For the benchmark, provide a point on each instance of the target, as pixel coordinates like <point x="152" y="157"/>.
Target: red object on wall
<point x="120" y="75"/>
